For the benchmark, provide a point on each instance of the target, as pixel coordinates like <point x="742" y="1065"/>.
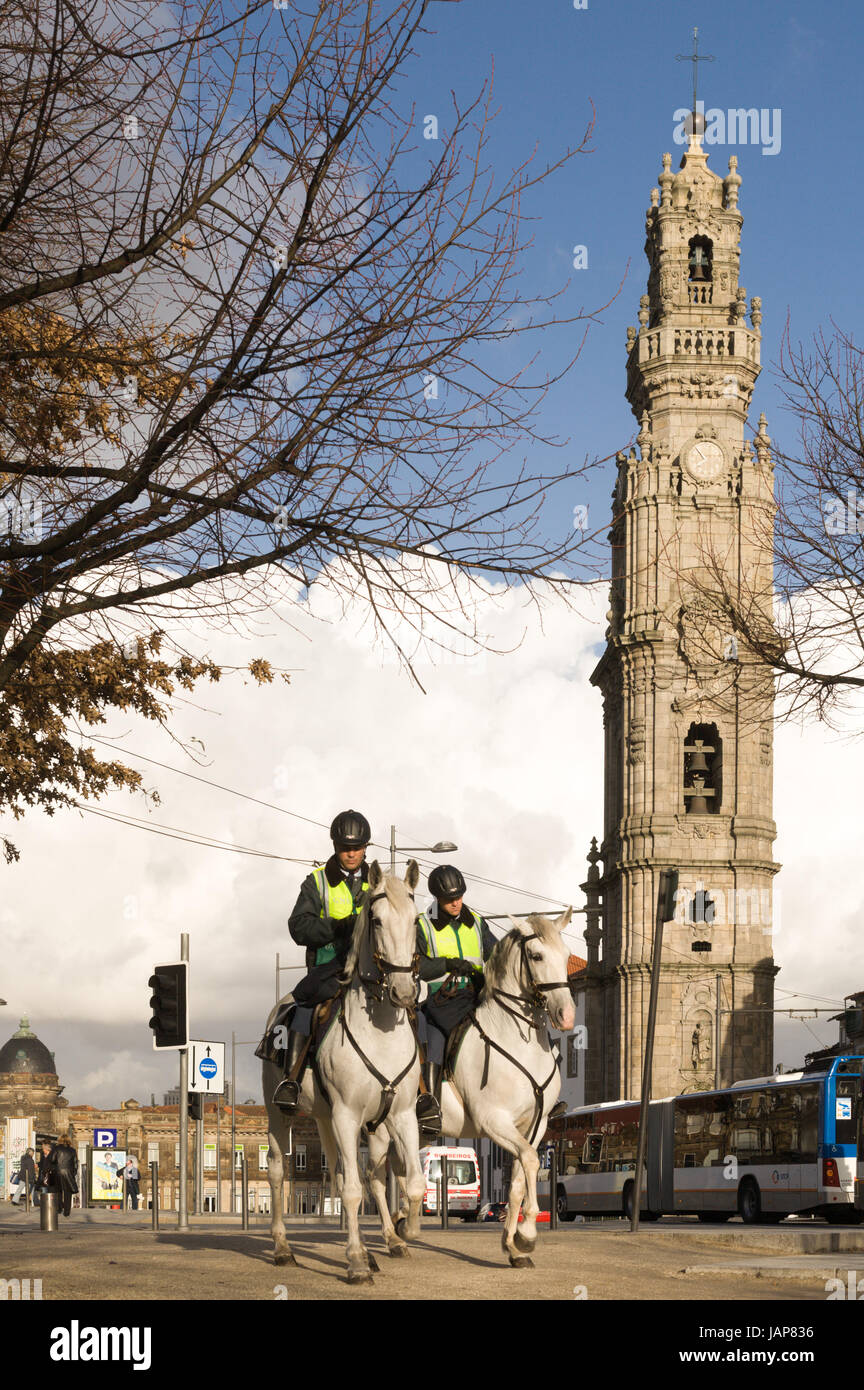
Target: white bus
<point x="463" y="1181"/>
<point x="763" y="1149"/>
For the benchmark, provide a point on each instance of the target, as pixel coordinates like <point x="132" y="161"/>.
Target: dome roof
<point x="25" y="1053"/>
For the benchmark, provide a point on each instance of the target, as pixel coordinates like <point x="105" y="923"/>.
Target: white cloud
<point x="503" y="756"/>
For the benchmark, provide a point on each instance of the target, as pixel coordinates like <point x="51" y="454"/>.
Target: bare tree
<point x="250" y="317"/>
<point x="807" y="629"/>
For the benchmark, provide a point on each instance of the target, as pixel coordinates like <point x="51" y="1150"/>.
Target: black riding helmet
<point x="446" y="882"/>
<point x="350" y="829"/>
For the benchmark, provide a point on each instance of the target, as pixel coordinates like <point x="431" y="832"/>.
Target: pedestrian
<point x="66" y="1161"/>
<point x="28" y="1172"/>
<point x="132" y="1176"/>
<point x="46" y="1177"/>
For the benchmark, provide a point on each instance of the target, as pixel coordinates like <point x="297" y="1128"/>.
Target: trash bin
<point x="48" y="1204"/>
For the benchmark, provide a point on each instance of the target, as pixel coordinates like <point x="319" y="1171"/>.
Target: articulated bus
<point x="763" y="1149"/>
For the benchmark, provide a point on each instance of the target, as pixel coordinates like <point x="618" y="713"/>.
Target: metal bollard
<point x="48" y="1203"/>
<point x="553" y="1190"/>
<point x="445" y="1193"/>
<point x="154" y="1194"/>
<point x="244" y="1193"/>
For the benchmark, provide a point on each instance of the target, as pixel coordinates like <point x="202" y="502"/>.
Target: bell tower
<point x="687" y="710"/>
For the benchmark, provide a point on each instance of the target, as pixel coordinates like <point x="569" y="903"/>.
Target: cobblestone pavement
<point x="100" y="1256"/>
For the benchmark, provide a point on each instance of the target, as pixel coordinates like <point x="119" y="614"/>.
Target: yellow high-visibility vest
<point x="456" y="939"/>
<point x="335" y="902"/>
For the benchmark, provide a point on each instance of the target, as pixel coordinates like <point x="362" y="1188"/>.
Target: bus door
<point x="839" y="1148"/>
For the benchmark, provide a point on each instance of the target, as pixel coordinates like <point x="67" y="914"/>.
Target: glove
<point x="461" y="967"/>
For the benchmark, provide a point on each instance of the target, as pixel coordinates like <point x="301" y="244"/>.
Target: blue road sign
<point x="104" y="1138"/>
<point x="208" y="1067"/>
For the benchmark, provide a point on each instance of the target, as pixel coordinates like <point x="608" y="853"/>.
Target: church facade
<point x="687" y="710"/>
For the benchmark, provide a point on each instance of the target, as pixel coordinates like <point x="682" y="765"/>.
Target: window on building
<point x="323" y="1161"/>
<point x="238" y="1155"/>
<point x="153" y="1153"/>
<point x="210" y="1157"/>
<point x="300" y="1158"/>
<point x="572" y="1057"/>
<point x="263" y="1150"/>
<point x="177" y="1154"/>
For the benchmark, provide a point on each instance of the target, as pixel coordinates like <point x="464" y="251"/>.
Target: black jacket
<point x="47" y="1175"/>
<point x="306" y="925"/>
<point x="66" y="1161"/>
<point x="27" y="1167"/>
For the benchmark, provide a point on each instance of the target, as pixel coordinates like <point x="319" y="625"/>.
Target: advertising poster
<point x="106" y="1175"/>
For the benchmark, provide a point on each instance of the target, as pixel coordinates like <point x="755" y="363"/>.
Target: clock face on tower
<point x="704" y="460"/>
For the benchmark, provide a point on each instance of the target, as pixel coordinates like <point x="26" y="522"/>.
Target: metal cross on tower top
<point x="695" y="58"/>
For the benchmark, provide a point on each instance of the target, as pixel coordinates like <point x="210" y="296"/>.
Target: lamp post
<point x="442" y="847"/>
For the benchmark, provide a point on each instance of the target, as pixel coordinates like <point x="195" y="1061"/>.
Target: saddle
<point x="454" y="1042"/>
<point x="325" y="1014"/>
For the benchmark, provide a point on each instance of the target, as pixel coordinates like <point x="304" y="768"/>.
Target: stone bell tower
<point x="687" y="709"/>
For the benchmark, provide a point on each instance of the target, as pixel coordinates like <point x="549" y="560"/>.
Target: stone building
<point x="687" y="708"/>
<point x="31" y="1098"/>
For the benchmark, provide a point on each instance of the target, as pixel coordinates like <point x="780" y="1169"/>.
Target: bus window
<point x="844" y="1109"/>
<point x="809" y="1123"/>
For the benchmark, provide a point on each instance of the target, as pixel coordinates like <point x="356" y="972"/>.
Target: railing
<point x="701" y="293"/>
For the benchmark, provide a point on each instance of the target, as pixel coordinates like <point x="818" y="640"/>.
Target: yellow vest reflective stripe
<point x="462" y="940"/>
<point x="336" y="903"/>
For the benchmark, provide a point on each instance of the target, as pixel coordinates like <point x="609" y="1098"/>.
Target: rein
<point x="533" y="995"/>
<point x="375" y="987"/>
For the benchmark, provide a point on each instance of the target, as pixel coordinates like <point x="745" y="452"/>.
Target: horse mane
<point x="500" y="960"/>
<point x="359" y="937"/>
<point x="361" y="933"/>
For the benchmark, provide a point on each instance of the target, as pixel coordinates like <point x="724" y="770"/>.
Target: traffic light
<point x="170" y="1004"/>
<point x="195" y="1105"/>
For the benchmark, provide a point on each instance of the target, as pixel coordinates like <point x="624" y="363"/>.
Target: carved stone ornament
<point x="636" y="742"/>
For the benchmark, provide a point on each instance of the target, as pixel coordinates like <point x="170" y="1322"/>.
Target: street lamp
<point x="442" y="847"/>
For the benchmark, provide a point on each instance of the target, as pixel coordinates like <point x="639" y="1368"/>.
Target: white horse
<point x="506" y="1079"/>
<point x="365" y="1073"/>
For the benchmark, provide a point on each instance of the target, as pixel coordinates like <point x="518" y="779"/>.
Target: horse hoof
<point x="401" y="1227"/>
<point x="521" y="1243"/>
<point x="355" y="1277"/>
<point x="284" y="1259"/>
<point x="399" y="1252"/>
<point x="521" y="1262"/>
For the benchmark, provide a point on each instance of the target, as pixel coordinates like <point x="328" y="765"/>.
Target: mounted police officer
<point x="323" y="921"/>
<point x="454" y="942"/>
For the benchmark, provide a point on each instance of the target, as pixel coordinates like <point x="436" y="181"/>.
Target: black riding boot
<point x="429" y="1106"/>
<point x="287" y="1093"/>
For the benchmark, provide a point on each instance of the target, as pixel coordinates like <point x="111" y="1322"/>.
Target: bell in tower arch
<point x="699" y="262"/>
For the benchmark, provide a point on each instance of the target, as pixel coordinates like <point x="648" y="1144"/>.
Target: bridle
<point x="385" y="968"/>
<point x="532" y="992"/>
<point x="375" y="986"/>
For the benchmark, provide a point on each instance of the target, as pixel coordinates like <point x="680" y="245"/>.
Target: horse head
<point x="391" y="932"/>
<point x="544" y="966"/>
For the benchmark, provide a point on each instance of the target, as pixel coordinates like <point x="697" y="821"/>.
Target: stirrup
<point x="429" y="1116"/>
<point x="287" y="1095"/>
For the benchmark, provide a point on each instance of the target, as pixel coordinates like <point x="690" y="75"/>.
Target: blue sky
<point x="800" y="205"/>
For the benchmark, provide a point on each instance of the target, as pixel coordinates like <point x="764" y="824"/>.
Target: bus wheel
<point x="561" y="1206"/>
<point x="749" y="1202"/>
<point x="627" y="1201"/>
